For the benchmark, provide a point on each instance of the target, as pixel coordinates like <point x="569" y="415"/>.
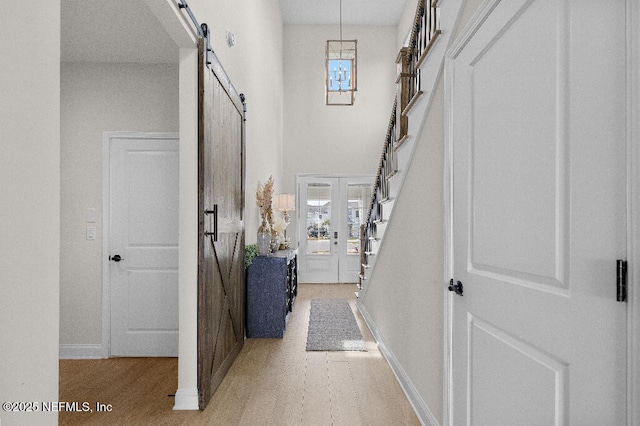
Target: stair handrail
<point x="425" y="31"/>
<point x="388" y="141"/>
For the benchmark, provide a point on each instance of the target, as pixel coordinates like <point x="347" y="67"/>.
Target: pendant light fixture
<point x="340" y="70"/>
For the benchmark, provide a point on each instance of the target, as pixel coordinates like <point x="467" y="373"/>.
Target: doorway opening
<point x="140" y="244"/>
<point x="330" y="211"/>
<point x="135" y="72"/>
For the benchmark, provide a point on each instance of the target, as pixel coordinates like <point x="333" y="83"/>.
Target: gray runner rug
<point x="332" y="327"/>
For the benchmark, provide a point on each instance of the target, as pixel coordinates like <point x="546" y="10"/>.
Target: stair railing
<point x="425" y="31"/>
<point x="387" y="168"/>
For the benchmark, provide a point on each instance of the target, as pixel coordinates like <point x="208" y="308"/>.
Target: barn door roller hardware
<point x="203" y="29"/>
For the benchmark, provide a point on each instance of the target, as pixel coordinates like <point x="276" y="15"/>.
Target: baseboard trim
<point x="186" y="399"/>
<point x="72" y="351"/>
<point x="419" y="406"/>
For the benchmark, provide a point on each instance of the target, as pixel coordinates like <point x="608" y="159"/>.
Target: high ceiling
<point x="117" y="30"/>
<point x="354" y="12"/>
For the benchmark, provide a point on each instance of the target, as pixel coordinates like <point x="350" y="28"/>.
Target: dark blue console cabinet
<point x="272" y="287"/>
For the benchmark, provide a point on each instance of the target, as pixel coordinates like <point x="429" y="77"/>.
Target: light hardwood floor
<point x="272" y="382"/>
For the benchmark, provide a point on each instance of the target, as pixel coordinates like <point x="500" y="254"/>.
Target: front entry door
<point x="143" y="244"/>
<point x="539" y="215"/>
<point x="329" y="215"/>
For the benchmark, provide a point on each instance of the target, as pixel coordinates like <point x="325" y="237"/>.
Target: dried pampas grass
<point x="264" y="195"/>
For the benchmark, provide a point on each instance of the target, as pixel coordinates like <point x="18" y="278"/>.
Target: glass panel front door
<point x="329" y="215"/>
<point x="357" y="196"/>
<point x="318" y="220"/>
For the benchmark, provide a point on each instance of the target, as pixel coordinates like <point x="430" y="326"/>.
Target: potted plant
<point x="250" y="251"/>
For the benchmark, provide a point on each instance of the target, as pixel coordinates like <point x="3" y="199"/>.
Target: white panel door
<point x="143" y="228"/>
<point x="537" y="133"/>
<point x="329" y="214"/>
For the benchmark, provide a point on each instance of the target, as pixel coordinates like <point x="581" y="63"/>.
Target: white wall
<point x="254" y="65"/>
<point x="29" y="206"/>
<point x="96" y="98"/>
<point x="255" y="68"/>
<point x="407" y="19"/>
<point x="339" y="140"/>
<point x="405" y="294"/>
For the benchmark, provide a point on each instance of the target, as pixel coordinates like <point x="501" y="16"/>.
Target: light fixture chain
<point x="341" y="20"/>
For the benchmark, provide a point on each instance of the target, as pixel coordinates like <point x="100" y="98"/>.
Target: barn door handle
<point x="214" y="212"/>
<point x="115" y="258"/>
<point x="621" y="280"/>
<point x="457" y="287"/>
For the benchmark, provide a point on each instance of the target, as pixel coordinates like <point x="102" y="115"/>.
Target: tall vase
<point x="264" y="239"/>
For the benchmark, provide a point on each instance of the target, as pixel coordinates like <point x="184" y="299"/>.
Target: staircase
<point x="420" y="65"/>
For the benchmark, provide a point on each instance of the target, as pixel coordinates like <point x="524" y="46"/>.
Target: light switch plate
<point x="91" y="215"/>
<point x="91" y="233"/>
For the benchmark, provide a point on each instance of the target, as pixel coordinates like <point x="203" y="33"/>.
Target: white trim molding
<point x="633" y="210"/>
<point x="89" y="351"/>
<point x="106" y="215"/>
<point x="186" y="399"/>
<point x="452" y="53"/>
<point x="421" y="409"/>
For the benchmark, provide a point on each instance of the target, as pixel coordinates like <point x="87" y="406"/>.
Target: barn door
<point x="221" y="225"/>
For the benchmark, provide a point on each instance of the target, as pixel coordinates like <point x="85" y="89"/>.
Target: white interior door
<point x="329" y="213"/>
<point x="143" y="232"/>
<point x="537" y="134"/>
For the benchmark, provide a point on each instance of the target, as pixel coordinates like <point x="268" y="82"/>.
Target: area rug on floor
<point x="332" y="327"/>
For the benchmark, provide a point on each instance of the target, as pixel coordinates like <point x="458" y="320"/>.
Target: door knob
<point x="115" y="258"/>
<point x="457" y="287"/>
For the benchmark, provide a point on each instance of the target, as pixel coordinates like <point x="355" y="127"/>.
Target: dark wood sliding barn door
<point x="221" y="288"/>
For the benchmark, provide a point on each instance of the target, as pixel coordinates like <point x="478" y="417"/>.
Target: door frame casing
<point x="633" y="206"/>
<point x="107" y="137"/>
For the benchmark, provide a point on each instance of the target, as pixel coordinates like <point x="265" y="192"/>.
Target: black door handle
<point x="115" y="258"/>
<point x="457" y="287"/>
<point x="214" y="212"/>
